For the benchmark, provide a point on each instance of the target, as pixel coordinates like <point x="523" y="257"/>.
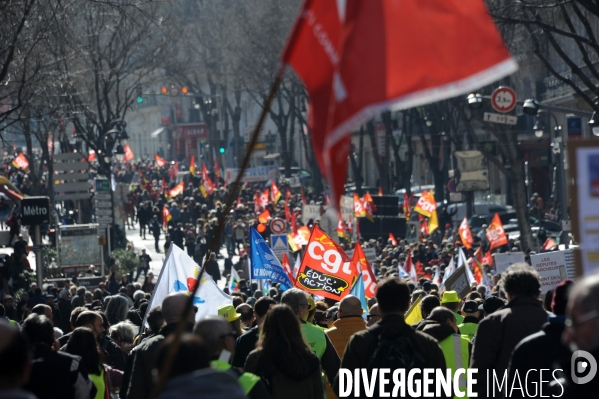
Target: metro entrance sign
<point x="503" y="99"/>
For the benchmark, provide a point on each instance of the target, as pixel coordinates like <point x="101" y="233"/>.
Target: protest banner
<point x="503" y="261"/>
<point x="458" y="282"/>
<point x="551" y="269"/>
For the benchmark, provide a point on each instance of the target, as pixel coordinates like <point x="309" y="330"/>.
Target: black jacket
<point x="58" y="375"/>
<point x="362" y="344"/>
<point x="543" y="350"/>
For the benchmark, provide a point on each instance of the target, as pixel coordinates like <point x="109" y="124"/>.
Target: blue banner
<point x="358" y="290"/>
<point x="265" y="265"/>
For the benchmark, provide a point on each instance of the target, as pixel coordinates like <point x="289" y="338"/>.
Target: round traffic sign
<point x="503" y="99"/>
<point x="278" y="226"/>
<point x="451" y="186"/>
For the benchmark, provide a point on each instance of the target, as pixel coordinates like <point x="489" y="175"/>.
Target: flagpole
<point x="215" y="241"/>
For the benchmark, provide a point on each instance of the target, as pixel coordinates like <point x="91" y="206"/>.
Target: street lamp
<point x="428" y="120"/>
<point x="120" y="153"/>
<point x="475" y="101"/>
<point x="530" y="106"/>
<point x="594" y="124"/>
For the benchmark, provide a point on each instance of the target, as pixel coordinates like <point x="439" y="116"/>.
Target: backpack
<point x="396" y="349"/>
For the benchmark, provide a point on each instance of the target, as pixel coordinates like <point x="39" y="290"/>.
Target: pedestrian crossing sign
<point x="278" y="242"/>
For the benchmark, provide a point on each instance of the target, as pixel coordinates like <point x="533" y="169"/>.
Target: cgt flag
<point x="128" y="153"/>
<point x="415" y="62"/>
<point x="20" y="162"/>
<point x="265" y="265"/>
<point x="159" y="161"/>
<point x="360" y="263"/>
<point x="466" y="234"/>
<point x="179" y="274"/>
<point x="326" y="269"/>
<point x="496" y="233"/>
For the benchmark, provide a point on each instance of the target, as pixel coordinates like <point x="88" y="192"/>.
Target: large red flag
<point x="325" y="270"/>
<point x="466" y="234"/>
<point x="496" y="233"/>
<point x="159" y="161"/>
<point x="362" y="265"/>
<point x="425" y="51"/>
<point x="128" y="153"/>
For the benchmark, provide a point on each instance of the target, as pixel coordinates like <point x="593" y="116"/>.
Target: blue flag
<point x="358" y="290"/>
<point x="265" y="265"/>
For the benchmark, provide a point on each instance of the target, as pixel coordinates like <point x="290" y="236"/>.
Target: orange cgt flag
<point x="264" y="216"/>
<point x="466" y="234"/>
<point x="159" y="161"/>
<point x="392" y="239"/>
<point x="363" y="266"/>
<point x="350" y="80"/>
<point x="496" y="233"/>
<point x="128" y="153"/>
<point x="192" y="166"/>
<point x="326" y="269"/>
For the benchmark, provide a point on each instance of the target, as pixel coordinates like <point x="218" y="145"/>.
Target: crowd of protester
<point x="64" y="340"/>
<point x="70" y="342"/>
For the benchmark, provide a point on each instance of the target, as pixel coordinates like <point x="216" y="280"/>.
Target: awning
<point x="156" y="132"/>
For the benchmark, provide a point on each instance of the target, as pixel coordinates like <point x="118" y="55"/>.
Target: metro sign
<point x="35" y="210"/>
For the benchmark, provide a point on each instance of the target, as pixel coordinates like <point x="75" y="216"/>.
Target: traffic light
<point x="140" y="98"/>
<point x="164" y="90"/>
<point x="222" y="147"/>
<point x="222" y="150"/>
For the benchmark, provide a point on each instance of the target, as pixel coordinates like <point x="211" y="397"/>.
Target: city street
<point x="158" y="258"/>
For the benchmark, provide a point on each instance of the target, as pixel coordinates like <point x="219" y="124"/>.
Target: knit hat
<point x="560" y="297"/>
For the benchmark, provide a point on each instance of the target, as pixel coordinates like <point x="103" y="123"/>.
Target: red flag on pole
<point x="392" y="239"/>
<point x="159" y="161"/>
<point x="415" y="62"/>
<point x="496" y="233"/>
<point x="128" y="153"/>
<point x="466" y="234"/>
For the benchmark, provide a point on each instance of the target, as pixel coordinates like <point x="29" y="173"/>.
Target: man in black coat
<point x="499" y="333"/>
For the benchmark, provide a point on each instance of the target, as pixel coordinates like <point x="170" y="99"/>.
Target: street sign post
<point x="278" y="226"/>
<point x="35" y="211"/>
<point x="279" y="244"/>
<point x="503" y="99"/>
<point x="500" y="118"/>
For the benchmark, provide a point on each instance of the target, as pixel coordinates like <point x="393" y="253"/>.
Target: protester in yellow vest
<point x="320" y="344"/>
<point x="220" y="339"/>
<point x="441" y="325"/>
<point x="452" y="301"/>
<point x="470" y="324"/>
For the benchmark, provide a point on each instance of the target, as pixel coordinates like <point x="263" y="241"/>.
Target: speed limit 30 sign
<point x="503" y="99"/>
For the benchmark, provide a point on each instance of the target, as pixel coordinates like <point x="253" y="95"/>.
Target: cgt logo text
<point x="431" y="382"/>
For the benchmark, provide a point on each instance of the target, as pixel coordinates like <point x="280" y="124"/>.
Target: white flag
<point x="296" y="267"/>
<point x="448" y="272"/>
<point x="462" y="261"/>
<point x="179" y="274"/>
<point x="234" y="280"/>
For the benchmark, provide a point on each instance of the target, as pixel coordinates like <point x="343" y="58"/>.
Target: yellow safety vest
<point x="98" y="380"/>
<point x="459" y="318"/>
<point x="457" y="356"/>
<point x="315" y="338"/>
<point x="246" y="380"/>
<point x="468" y="329"/>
